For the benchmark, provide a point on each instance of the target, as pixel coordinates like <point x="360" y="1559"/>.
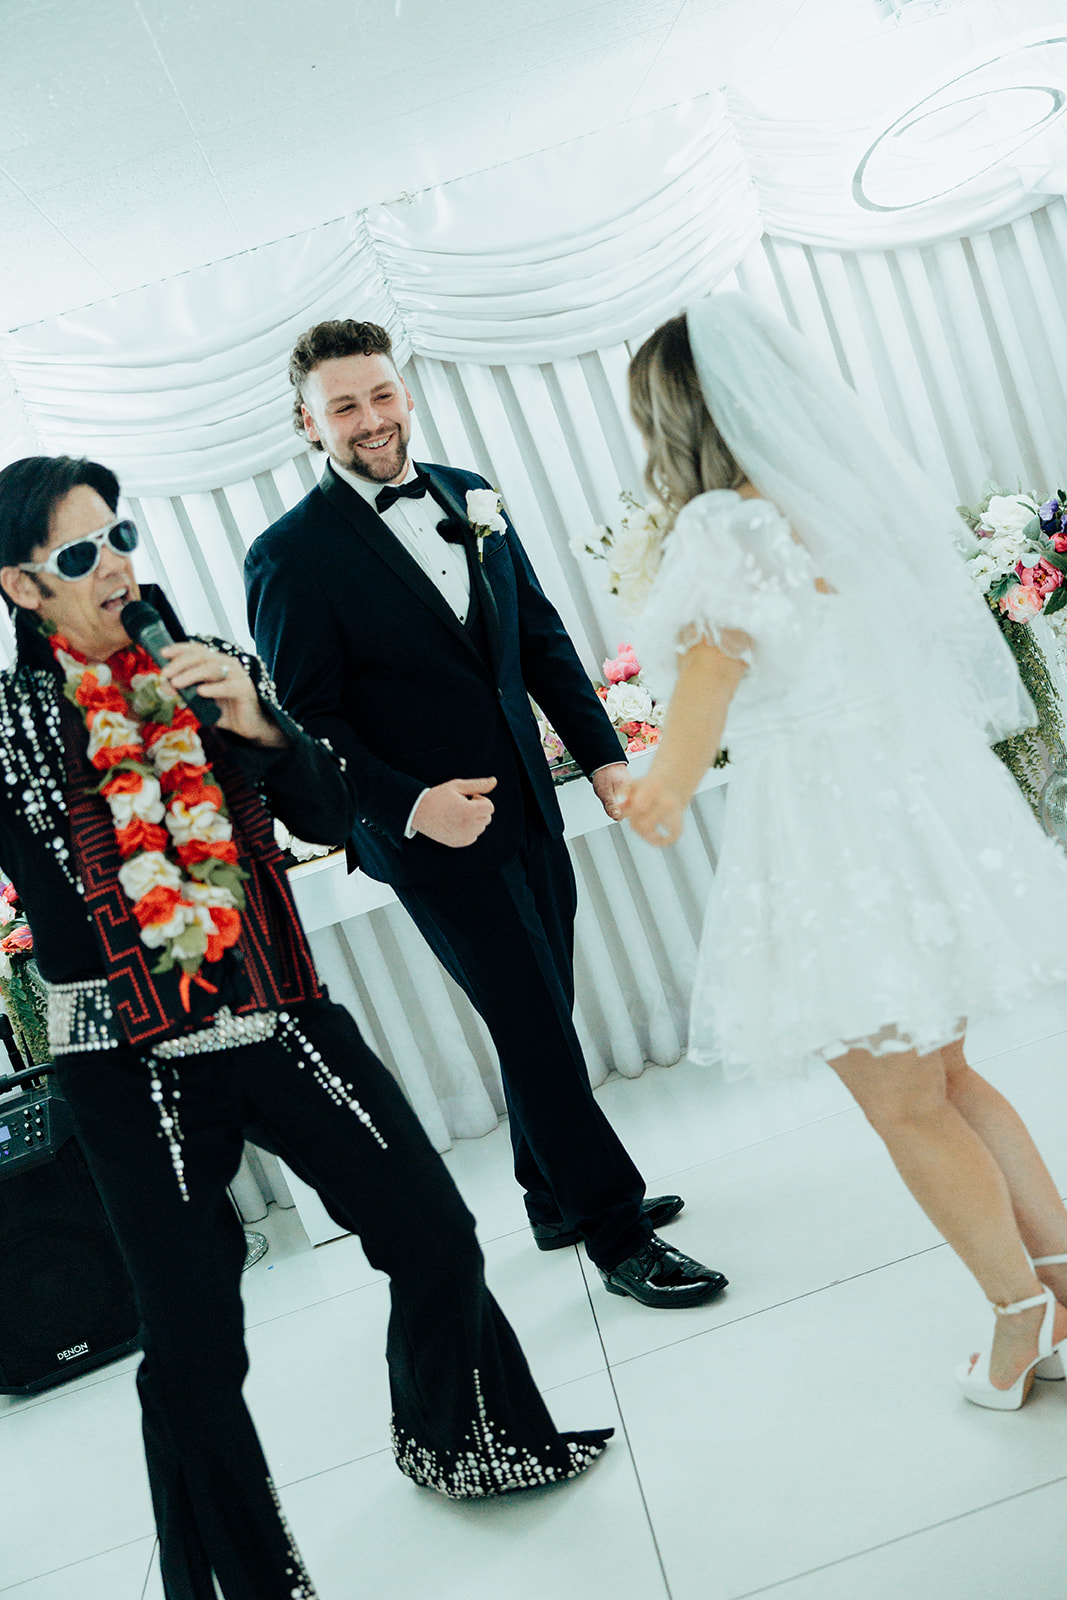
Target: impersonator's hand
<point x="455" y="813"/>
<point x="653" y="810"/>
<point x="219" y="676"/>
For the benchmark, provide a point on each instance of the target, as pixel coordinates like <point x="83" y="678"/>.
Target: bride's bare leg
<point x="1039" y="1211"/>
<point x="955" y="1178"/>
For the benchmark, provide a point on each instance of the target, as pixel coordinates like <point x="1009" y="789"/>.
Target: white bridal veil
<point x="879" y="530"/>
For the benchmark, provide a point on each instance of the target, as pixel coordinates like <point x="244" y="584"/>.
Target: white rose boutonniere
<point x="483" y="514"/>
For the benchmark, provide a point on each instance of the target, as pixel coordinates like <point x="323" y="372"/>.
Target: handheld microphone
<point x="146" y="627"/>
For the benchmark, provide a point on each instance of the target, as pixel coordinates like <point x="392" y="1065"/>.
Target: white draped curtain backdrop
<point x="515" y="298"/>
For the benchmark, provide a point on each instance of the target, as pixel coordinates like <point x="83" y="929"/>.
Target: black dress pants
<point x="507" y="938"/>
<point x="467" y="1417"/>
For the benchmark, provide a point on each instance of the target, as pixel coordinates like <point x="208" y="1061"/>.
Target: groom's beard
<point x="382" y="467"/>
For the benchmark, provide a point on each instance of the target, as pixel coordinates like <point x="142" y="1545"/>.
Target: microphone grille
<point x="137" y="615"/>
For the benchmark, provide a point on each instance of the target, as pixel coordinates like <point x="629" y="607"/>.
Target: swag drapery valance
<point x="181" y="385"/>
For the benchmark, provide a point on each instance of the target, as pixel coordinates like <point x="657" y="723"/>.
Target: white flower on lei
<point x="202" y="821"/>
<point x="208" y="894"/>
<point x="72" y="668"/>
<point x="156" y="681"/>
<point x="147" y="804"/>
<point x="628" y="702"/>
<point x="149" y="870"/>
<point x="110" y="730"/>
<point x="157" y="934"/>
<point x="1008" y="513"/>
<point x="177" y="745"/>
<point x="483" y="511"/>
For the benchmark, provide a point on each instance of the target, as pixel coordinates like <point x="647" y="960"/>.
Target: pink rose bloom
<point x="634" y="747"/>
<point x="1043" y="577"/>
<point x="624" y="666"/>
<point x="1022" y="603"/>
<point x="9" y="893"/>
<point x="1059" y="543"/>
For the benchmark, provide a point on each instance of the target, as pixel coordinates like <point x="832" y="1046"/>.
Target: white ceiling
<point x="141" y="138"/>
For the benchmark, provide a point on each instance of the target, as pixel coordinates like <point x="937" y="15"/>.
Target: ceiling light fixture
<point x="965" y="128"/>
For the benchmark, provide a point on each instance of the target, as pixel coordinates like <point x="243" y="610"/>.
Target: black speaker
<point x="67" y="1302"/>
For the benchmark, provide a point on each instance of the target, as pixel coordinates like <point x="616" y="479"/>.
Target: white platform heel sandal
<point x="1051" y="1366"/>
<point x="974" y="1380"/>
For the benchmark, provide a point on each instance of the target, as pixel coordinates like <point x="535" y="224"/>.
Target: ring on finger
<point x="224" y="670"/>
<point x="662" y="831"/>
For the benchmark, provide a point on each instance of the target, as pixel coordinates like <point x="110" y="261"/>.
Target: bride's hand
<point x="653" y="811"/>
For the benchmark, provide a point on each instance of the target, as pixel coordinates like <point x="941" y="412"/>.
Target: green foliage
<point x="24" y="1001"/>
<point x="1026" y="754"/>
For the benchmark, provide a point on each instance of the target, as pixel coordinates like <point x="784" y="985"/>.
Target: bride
<point x="880" y="876"/>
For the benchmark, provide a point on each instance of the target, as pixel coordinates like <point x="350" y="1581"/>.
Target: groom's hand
<point x="455" y="813"/>
<point x="609" y="785"/>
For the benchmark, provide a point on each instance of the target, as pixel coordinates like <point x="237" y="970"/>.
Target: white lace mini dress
<point x="881" y="878"/>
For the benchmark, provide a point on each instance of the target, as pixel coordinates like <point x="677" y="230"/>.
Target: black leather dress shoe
<point x="661" y="1276"/>
<point x="556" y="1235"/>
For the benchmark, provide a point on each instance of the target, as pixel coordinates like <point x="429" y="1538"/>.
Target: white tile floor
<point x="802" y="1437"/>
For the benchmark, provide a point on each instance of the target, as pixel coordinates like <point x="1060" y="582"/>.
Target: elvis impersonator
<point x="185" y="1013"/>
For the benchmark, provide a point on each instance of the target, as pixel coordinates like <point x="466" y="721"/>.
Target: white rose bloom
<point x="658" y="714"/>
<point x="147" y="871"/>
<point x="1008" y="513"/>
<point x="177" y="744"/>
<point x="628" y="702"/>
<point x="634" y="559"/>
<point x="483" y="510"/>
<point x="202" y="821"/>
<point x="147" y="804"/>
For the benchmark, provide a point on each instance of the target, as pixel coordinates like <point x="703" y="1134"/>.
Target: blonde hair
<point x="687" y="454"/>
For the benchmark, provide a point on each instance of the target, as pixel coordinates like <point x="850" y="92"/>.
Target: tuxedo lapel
<point x="370" y="527"/>
<point x="446" y="498"/>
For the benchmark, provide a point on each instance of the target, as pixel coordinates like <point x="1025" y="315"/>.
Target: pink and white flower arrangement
<point x="1021" y="562"/>
<point x="634" y="714"/>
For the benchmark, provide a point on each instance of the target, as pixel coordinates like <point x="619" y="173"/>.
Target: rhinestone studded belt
<point x="81" y="1017"/>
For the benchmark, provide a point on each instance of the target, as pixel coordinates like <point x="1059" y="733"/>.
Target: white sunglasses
<point x="78" y="557"/>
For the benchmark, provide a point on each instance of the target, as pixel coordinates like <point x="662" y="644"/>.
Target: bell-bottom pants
<point x="467" y="1417"/>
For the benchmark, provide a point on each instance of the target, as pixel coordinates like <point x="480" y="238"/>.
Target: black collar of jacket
<point x="365" y="521"/>
<point x="33" y="650"/>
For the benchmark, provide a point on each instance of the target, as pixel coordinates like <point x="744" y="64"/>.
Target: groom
<point x="412" y="647"/>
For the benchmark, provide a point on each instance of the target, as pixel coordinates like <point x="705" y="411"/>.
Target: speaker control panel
<point x="25" y="1128"/>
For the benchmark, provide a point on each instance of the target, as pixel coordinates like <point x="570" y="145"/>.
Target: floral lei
<point x="174" y="835"/>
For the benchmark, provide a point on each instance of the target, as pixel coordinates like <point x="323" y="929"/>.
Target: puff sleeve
<point x="731" y="573"/>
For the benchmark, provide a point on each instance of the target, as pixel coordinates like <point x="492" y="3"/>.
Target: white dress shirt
<point x="414" y="522"/>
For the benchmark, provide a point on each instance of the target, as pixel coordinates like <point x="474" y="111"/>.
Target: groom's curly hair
<point x="687" y="454"/>
<point x="324" y="342"/>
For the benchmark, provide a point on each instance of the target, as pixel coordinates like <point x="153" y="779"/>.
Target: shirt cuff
<point x="409" y="829"/>
<point x="623" y="761"/>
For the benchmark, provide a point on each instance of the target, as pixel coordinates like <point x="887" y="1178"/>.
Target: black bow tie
<point x="404" y="491"/>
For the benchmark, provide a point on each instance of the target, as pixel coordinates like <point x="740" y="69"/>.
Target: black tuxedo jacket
<point x="368" y="655"/>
